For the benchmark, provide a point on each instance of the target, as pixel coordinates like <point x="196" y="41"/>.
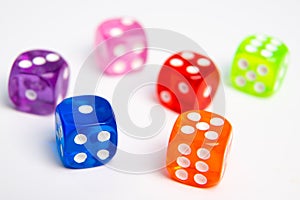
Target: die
<point x="86" y="131"/>
<point x="198" y="148"/>
<point x="122" y="46"/>
<point x="37" y="81"/>
<point x="186" y="81"/>
<point x="259" y="65"/>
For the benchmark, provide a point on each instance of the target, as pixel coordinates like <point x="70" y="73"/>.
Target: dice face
<point x="259" y="65"/>
<point x="187" y="81"/>
<point x="86" y="131"/>
<point x="198" y="148"/>
<point x="125" y="47"/>
<point x="38" y="79"/>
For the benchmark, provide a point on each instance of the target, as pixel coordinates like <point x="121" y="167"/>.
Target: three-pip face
<point x="38" y="81"/>
<point x="186" y="81"/>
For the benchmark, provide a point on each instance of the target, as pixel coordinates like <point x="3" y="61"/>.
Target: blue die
<point x="86" y="131"/>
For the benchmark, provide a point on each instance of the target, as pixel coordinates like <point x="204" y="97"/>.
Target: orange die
<point x="198" y="148"/>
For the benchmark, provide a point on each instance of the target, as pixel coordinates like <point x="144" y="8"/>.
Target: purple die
<point x="38" y="80"/>
<point x="121" y="46"/>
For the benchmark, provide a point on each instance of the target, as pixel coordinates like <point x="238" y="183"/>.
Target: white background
<point x="264" y="162"/>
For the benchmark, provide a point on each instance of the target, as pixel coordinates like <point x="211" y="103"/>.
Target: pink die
<point x="121" y="46"/>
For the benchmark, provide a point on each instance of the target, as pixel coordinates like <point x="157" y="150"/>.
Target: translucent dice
<point x="187" y="81"/>
<point x="198" y="148"/>
<point x="121" y="46"/>
<point x="38" y="79"/>
<point x="259" y="65"/>
<point x="86" y="131"/>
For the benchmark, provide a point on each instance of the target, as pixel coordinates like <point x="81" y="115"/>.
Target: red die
<point x="187" y="81"/>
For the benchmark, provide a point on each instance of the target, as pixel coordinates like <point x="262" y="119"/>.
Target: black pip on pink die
<point x="38" y="80"/>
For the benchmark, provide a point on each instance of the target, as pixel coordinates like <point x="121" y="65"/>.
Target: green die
<point x="259" y="65"/>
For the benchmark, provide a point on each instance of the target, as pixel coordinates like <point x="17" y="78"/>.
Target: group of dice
<point x="86" y="130"/>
